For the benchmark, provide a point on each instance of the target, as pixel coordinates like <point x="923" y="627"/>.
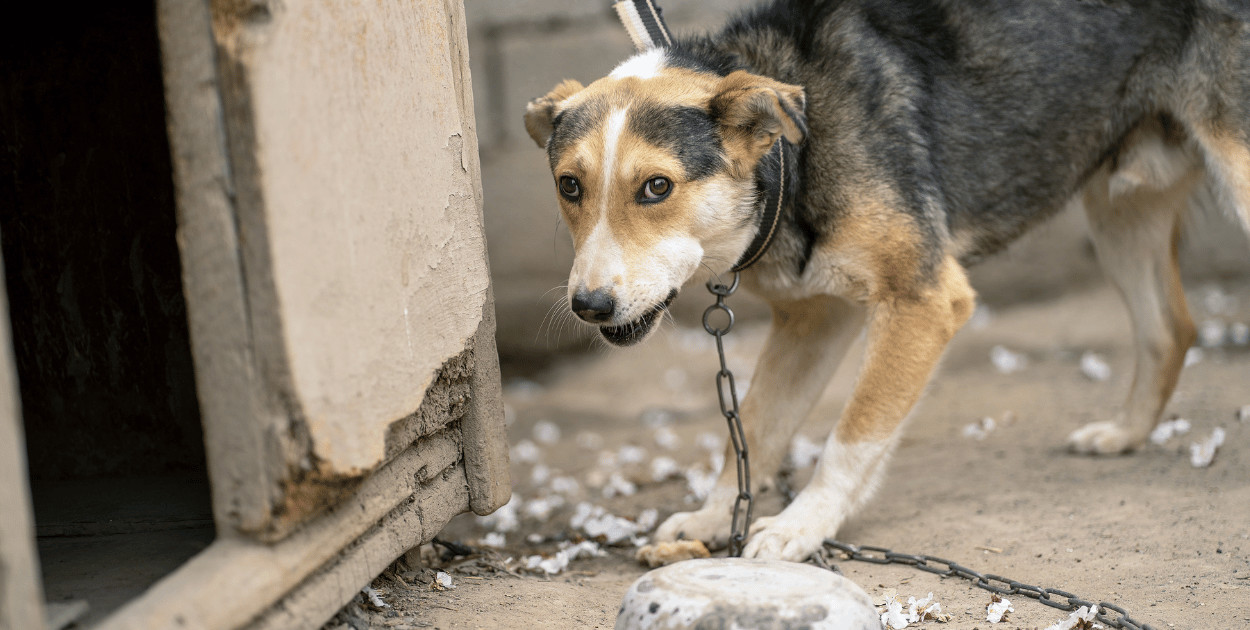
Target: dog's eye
<point x="656" y="189"/>
<point x="569" y="187"/>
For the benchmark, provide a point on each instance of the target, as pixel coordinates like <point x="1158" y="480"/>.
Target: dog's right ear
<point x="754" y="111"/>
<point x="541" y="111"/>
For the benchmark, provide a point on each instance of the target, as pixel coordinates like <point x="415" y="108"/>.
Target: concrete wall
<point x="520" y="49"/>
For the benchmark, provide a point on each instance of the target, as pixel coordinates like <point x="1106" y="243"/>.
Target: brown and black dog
<point x="928" y="134"/>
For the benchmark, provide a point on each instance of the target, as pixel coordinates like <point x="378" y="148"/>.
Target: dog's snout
<point x="593" y="306"/>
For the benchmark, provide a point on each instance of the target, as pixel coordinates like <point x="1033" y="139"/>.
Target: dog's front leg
<point x="906" y="337"/>
<point x="805" y="344"/>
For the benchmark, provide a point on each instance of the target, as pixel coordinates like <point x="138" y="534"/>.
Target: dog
<point x="923" y="136"/>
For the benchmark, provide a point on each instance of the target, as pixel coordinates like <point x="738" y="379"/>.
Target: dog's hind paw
<point x="1103" y="438"/>
<point x="710" y="526"/>
<point x="780" y="538"/>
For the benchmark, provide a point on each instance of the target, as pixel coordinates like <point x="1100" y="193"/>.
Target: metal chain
<point x="727" y="395"/>
<point x="1110" y="614"/>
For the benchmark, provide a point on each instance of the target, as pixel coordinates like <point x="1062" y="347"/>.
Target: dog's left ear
<point x="754" y="110"/>
<point x="541" y="112"/>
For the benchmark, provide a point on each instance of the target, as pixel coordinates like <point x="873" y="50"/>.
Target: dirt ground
<point x="1167" y="541"/>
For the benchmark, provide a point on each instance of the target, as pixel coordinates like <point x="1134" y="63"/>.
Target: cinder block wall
<point x="520" y="49"/>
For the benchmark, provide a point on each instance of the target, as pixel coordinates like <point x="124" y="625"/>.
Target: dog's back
<point x="956" y="92"/>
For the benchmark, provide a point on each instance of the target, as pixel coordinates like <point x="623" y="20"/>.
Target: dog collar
<point x="644" y="22"/>
<point x="773" y="177"/>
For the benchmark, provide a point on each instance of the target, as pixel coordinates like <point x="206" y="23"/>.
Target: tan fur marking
<point x="542" y="110"/>
<point x="1229" y="159"/>
<point x="906" y="337"/>
<point x="879" y="247"/>
<point x="753" y="116"/>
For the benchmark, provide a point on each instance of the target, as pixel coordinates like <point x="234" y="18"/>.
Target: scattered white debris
<point x="655" y="418"/>
<point x="1239" y="334"/>
<point x="1007" y="361"/>
<point x="1217" y="302"/>
<point x="667" y="439"/>
<point x="546" y="432"/>
<point x="981" y="317"/>
<point x="716" y="461"/>
<point x="504" y="519"/>
<point x="495" y="540"/>
<point x="997" y="609"/>
<point x="443" y="579"/>
<point x="693" y="339"/>
<point x="523" y="389"/>
<point x="1168" y="429"/>
<point x="980" y="429"/>
<point x="675" y="378"/>
<point x="804" y="452"/>
<point x="1083" y="618"/>
<point x="1193" y="356"/>
<point x="540" y="474"/>
<point x="700" y="482"/>
<point x="559" y="561"/>
<point x="711" y="442"/>
<point x="1201" y="454"/>
<point x="375" y="598"/>
<point x="565" y="485"/>
<point x="647" y="519"/>
<point x="541" y="508"/>
<point x="1211" y="333"/>
<point x="1094" y="367"/>
<point x="630" y="454"/>
<point x="596" y="521"/>
<point x="664" y="467"/>
<point x="618" y="485"/>
<point x="526" y="452"/>
<point x="897" y="616"/>
<point x="589" y="439"/>
<point x="1243" y="414"/>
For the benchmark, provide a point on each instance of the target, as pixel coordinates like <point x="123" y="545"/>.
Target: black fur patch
<point x="688" y="132"/>
<point x="572" y="124"/>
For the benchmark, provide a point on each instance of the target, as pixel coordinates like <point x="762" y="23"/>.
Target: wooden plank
<point x="236" y="579"/>
<point x="21" y="592"/>
<point x="241" y="436"/>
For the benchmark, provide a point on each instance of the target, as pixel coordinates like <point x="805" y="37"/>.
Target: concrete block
<point x="511" y="12"/>
<point x="534" y="62"/>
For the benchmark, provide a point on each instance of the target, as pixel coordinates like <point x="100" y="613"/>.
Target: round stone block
<point x="730" y="593"/>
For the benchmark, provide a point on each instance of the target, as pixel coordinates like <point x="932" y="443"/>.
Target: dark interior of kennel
<point x="112" y="425"/>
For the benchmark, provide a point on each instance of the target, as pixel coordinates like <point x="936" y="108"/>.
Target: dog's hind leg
<point x="1135" y="214"/>
<point x="805" y="345"/>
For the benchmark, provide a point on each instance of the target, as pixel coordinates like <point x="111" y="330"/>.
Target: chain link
<point x="1108" y="614"/>
<point x="727" y="396"/>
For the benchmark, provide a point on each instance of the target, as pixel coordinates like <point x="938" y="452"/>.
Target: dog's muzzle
<point x="635" y="331"/>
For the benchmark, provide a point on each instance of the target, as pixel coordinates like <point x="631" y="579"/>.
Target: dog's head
<point x="654" y="169"/>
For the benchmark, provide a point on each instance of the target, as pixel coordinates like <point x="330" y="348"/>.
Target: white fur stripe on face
<point x="611" y="137"/>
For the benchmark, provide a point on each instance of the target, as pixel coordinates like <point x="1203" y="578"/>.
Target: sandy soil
<point x="1168" y="541"/>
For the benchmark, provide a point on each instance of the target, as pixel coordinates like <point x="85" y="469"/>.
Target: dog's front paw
<point x="785" y="537"/>
<point x="1103" y="438"/>
<point x="710" y="526"/>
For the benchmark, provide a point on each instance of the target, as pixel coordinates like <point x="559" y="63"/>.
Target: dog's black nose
<point x="593" y="306"/>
